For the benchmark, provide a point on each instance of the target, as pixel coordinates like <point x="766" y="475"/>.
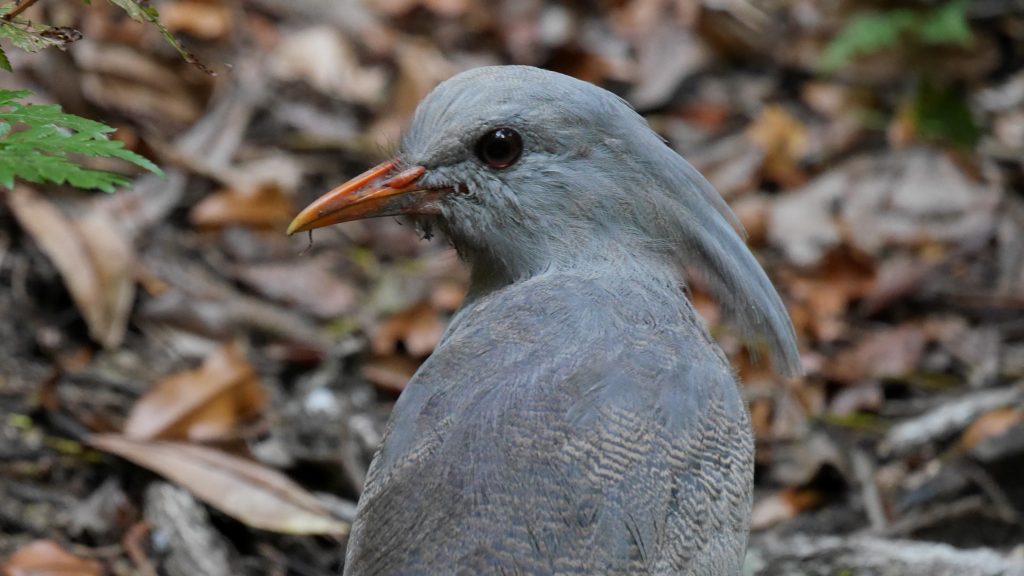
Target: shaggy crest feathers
<point x="608" y="185"/>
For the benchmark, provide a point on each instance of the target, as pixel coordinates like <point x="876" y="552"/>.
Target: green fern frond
<point x="37" y="143"/>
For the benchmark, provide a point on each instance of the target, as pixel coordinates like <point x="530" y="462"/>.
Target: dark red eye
<point x="500" y="148"/>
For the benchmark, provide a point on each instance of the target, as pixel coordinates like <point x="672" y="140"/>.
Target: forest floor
<point x="186" y="390"/>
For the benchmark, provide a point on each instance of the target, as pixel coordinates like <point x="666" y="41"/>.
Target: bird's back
<point x="574" y="423"/>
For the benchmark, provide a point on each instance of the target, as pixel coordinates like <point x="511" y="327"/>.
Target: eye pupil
<point x="500" y="148"/>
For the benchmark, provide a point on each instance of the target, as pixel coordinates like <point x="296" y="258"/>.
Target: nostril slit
<point x="405" y="178"/>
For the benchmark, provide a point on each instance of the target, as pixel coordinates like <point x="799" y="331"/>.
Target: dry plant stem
<point x="133" y="545"/>
<point x="21" y="7"/>
<point x="864" y="468"/>
<point x="936" y="515"/>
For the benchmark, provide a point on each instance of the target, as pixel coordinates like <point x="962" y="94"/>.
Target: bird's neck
<point x="597" y="257"/>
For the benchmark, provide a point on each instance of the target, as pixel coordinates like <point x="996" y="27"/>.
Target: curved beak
<point x="376" y="192"/>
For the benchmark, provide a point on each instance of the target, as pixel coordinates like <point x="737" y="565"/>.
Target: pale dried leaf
<point x="47" y="558"/>
<point x="269" y="207"/>
<point x="253" y="494"/>
<point x="421" y="66"/>
<point x="913" y="197"/>
<point x="668" y="55"/>
<point x="113" y="258"/>
<point x="321" y="56"/>
<point x="308" y="283"/>
<point x="781" y="506"/>
<point x="801" y="223"/>
<point x="210" y="21"/>
<point x="93" y="257"/>
<point x="886" y="353"/>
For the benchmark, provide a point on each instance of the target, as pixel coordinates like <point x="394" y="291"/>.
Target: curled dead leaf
<point x="200" y="404"/>
<point x="94" y="257"/>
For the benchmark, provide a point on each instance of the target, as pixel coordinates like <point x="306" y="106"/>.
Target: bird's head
<point x="527" y="170"/>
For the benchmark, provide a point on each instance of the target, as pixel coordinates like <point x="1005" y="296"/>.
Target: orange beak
<point x="373" y="193"/>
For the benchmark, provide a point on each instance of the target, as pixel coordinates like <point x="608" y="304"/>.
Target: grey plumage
<point x="576" y="418"/>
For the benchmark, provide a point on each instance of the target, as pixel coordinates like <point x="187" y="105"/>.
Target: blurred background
<point x="186" y="390"/>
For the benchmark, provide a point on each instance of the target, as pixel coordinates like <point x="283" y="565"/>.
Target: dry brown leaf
<point x="834" y="99"/>
<point x="914" y="197"/>
<point x="732" y="164"/>
<point x="991" y="425"/>
<point x="911" y="197"/>
<point x="784" y="140"/>
<point x="253" y="494"/>
<point x="756" y="373"/>
<point x="268" y="207"/>
<point x="761" y="422"/>
<point x="419" y="328"/>
<point x="865" y="397"/>
<point x="421" y="66"/>
<point x="667" y="55"/>
<point x="708" y="115"/>
<point x="753" y="211"/>
<point x="113" y="259"/>
<point x="708" y="308"/>
<point x="783" y="505"/>
<point x="93" y="256"/>
<point x="47" y="558"/>
<point x="885" y="353"/>
<point x="390" y="373"/>
<point x="819" y="302"/>
<point x="307" y="283"/>
<point x="121" y="78"/>
<point x="324" y="58"/>
<point x="447" y="8"/>
<point x="204" y="20"/>
<point x="447" y="295"/>
<point x="201" y="404"/>
<point x="801" y="463"/>
<point x="897" y="278"/>
<point x="801" y="222"/>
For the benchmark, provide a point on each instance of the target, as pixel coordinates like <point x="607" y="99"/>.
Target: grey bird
<point x="576" y="417"/>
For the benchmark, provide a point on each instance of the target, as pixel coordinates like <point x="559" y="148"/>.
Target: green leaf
<point x="8" y="96"/>
<point x="875" y="31"/>
<point x="38" y="144"/>
<point x="141" y="13"/>
<point x="942" y="113"/>
<point x="4" y="62"/>
<point x="947" y="24"/>
<point x="864" y="34"/>
<point x="33" y="37"/>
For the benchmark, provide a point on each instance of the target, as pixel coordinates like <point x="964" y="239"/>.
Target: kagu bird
<point x="576" y="418"/>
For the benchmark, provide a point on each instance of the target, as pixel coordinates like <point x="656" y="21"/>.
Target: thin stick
<point x="18" y="10"/>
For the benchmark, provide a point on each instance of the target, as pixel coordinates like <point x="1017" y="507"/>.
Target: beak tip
<point x="360" y="197"/>
<point x="294" y="227"/>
